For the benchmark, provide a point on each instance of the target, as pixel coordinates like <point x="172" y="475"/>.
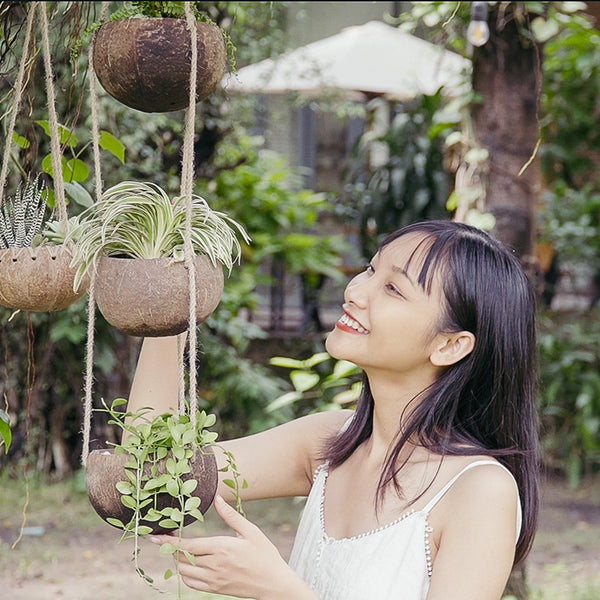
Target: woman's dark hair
<point x="485" y="403"/>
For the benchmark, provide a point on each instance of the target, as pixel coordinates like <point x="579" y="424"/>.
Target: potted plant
<point x="36" y="273"/>
<point x="142" y="56"/>
<point x="161" y="477"/>
<point x="134" y="237"/>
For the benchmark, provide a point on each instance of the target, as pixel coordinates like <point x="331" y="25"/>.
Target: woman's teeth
<point x="346" y="320"/>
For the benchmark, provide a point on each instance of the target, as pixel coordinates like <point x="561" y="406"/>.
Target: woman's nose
<point x="357" y="290"/>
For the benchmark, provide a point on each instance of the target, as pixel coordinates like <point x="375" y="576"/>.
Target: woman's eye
<point x="394" y="290"/>
<point x="369" y="269"/>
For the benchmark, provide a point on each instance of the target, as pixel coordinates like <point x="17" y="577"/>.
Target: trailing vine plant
<point x="160" y="452"/>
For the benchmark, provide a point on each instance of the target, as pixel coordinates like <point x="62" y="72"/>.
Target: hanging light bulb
<point x="478" y="32"/>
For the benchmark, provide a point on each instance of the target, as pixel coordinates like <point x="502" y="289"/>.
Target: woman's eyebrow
<point x="403" y="271"/>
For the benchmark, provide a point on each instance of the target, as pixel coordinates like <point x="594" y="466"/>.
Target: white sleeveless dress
<point x="391" y="562"/>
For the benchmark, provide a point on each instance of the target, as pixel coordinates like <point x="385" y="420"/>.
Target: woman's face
<point x="389" y="324"/>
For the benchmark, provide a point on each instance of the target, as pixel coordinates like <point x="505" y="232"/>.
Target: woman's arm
<point x="278" y="462"/>
<point x="476" y="550"/>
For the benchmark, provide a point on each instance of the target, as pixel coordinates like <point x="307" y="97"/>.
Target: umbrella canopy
<point x="374" y="57"/>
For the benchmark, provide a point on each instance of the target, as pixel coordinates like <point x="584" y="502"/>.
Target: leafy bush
<point x="569" y="399"/>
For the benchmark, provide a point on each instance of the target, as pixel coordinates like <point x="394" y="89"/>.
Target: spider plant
<point x="140" y="220"/>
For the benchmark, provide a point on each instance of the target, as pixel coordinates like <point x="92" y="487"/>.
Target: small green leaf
<point x="5" y="431"/>
<point x="79" y="171"/>
<point x="191" y="504"/>
<point x="144" y="530"/>
<point x="191" y="558"/>
<point x="189" y="486"/>
<point x="168" y="524"/>
<point x="172" y="488"/>
<point x="67" y="137"/>
<point x="78" y="194"/>
<point x="303" y="381"/>
<point x="124" y="487"/>
<point x="113" y="145"/>
<point x="168" y="574"/>
<point x="230" y="483"/>
<point x="167" y="548"/>
<point x="20" y="140"/>
<point x="129" y="502"/>
<point x="115" y="522"/>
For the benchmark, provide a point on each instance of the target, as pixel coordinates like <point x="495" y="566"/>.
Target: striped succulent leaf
<point x="22" y="216"/>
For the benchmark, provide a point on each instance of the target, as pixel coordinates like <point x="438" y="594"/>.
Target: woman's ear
<point x="452" y="348"/>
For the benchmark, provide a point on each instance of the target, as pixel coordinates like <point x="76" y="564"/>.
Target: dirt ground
<point x="70" y="554"/>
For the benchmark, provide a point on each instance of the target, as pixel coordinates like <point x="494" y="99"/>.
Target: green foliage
<point x="172" y="439"/>
<point x="233" y="386"/>
<point x="570" y="220"/>
<point x="412" y="183"/>
<point x="5" y="432"/>
<point x="569" y="100"/>
<point x="281" y="217"/>
<point x="74" y="170"/>
<point x="569" y="401"/>
<point x="22" y="216"/>
<point x="320" y="383"/>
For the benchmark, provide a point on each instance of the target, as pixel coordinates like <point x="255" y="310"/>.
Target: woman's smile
<point x="350" y="325"/>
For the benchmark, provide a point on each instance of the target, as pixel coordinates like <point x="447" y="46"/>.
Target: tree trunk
<point x="507" y="75"/>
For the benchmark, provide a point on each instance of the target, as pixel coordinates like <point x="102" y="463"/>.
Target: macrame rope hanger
<point x="186" y="191"/>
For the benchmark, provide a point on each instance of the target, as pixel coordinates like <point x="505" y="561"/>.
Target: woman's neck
<point x="394" y="399"/>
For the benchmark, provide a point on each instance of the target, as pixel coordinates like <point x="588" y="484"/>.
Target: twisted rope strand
<point x="59" y="188"/>
<point x="91" y="305"/>
<point x="16" y="101"/>
<point x="187" y="189"/>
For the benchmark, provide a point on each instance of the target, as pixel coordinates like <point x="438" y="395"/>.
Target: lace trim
<point x="331" y="540"/>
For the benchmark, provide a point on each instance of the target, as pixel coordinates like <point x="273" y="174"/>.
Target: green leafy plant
<point x="319" y="381"/>
<point x="22" y="215"/>
<point x="139" y="220"/>
<point x="74" y="170"/>
<point x="173" y="440"/>
<point x="5" y="431"/>
<point x="569" y="400"/>
<point x="412" y="182"/>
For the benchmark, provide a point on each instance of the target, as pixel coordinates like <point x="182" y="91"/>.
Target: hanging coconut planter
<point x="38" y="279"/>
<point x="145" y="62"/>
<point x="134" y="237"/>
<point x="149" y="297"/>
<point x="105" y="471"/>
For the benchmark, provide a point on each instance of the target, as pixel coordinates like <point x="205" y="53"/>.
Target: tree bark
<point x="507" y="73"/>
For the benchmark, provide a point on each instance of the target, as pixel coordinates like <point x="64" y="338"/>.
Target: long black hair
<point x="485" y="403"/>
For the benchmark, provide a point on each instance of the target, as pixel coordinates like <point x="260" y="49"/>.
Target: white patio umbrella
<point x="373" y="57"/>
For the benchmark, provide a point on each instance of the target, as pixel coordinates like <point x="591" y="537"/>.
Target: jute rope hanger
<point x="187" y="186"/>
<point x="56" y="155"/>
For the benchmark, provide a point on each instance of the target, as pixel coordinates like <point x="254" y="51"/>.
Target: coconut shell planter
<point x="38" y="279"/>
<point x="149" y="297"/>
<point x="145" y="62"/>
<point x="105" y="470"/>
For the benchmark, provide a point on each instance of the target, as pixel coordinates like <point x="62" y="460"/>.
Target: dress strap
<point x="431" y="504"/>
<point x="443" y="491"/>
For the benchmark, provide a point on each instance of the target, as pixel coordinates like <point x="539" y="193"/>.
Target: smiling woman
<point x="430" y="485"/>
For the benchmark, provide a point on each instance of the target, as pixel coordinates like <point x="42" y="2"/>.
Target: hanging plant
<point x="162" y="477"/>
<point x="35" y="273"/>
<point x="149" y="296"/>
<point x="142" y="56"/>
